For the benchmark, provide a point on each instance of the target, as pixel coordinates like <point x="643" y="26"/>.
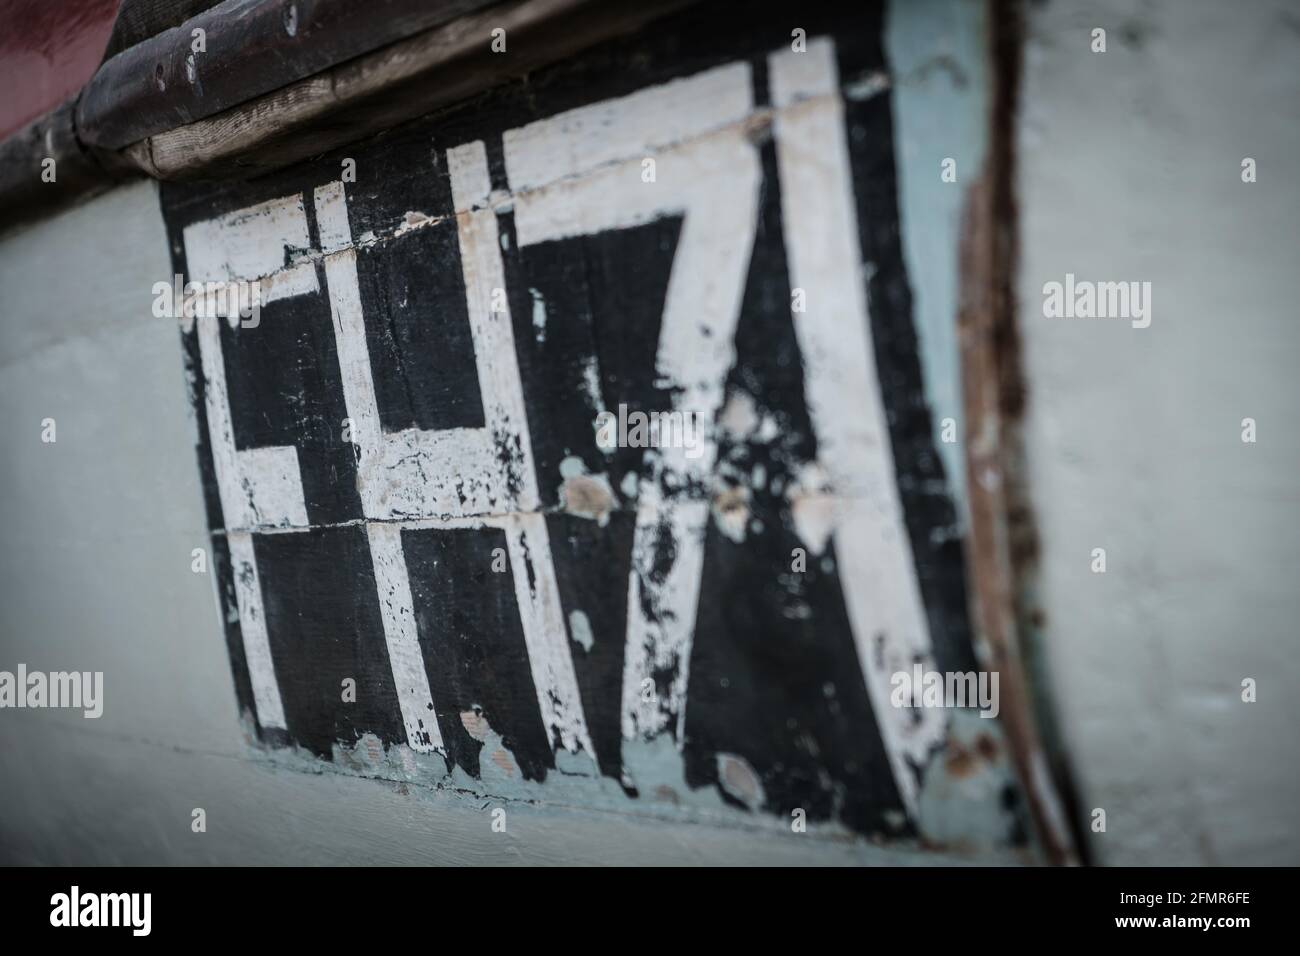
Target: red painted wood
<point x="47" y="53"/>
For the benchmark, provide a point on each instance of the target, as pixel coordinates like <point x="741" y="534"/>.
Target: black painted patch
<point x="473" y="644"/>
<point x="421" y="352"/>
<point x="598" y="316"/>
<point x="322" y="616"/>
<point x="591" y="567"/>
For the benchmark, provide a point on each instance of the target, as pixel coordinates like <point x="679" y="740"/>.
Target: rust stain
<point x="1003" y="545"/>
<point x="961" y="761"/>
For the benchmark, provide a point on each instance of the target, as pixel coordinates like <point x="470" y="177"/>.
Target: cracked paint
<point x="528" y="638"/>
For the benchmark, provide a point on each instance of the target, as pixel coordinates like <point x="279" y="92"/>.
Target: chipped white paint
<point x="404" y="655"/>
<point x="709" y="174"/>
<point x="580" y="628"/>
<point x="460" y="472"/>
<point x="595" y="400"/>
<point x="739" y="417"/>
<point x="253" y="243"/>
<point x="259" y="486"/>
<point x="583" y="494"/>
<point x="332" y="217"/>
<point x="252" y="625"/>
<point x="539" y="315"/>
<point x="844" y="401"/>
<point x="731" y="512"/>
<point x="578" y="174"/>
<point x="812" y="506"/>
<point x="471" y="182"/>
<point x="538" y="596"/>
<point x="626" y="128"/>
<point x="629" y="485"/>
<point x="412" y="221"/>
<point x="738" y="779"/>
<point x="494" y="343"/>
<point x="413" y="472"/>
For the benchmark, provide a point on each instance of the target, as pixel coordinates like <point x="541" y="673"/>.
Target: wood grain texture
<point x="248" y="48"/>
<point x="412" y="77"/>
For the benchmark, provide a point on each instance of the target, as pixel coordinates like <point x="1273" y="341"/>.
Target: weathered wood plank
<point x="235" y="51"/>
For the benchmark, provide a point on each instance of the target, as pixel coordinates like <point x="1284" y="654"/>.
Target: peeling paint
<point x="412" y="221"/>
<point x="739" y="416"/>
<point x="586" y="496"/>
<point x="494" y="750"/>
<point x="812" y="506"/>
<point x="730" y="510"/>
<point x="539" y="315"/>
<point x="628" y="486"/>
<point x="739" y="781"/>
<point x="968" y="797"/>
<point x="690" y="568"/>
<point x="580" y="630"/>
